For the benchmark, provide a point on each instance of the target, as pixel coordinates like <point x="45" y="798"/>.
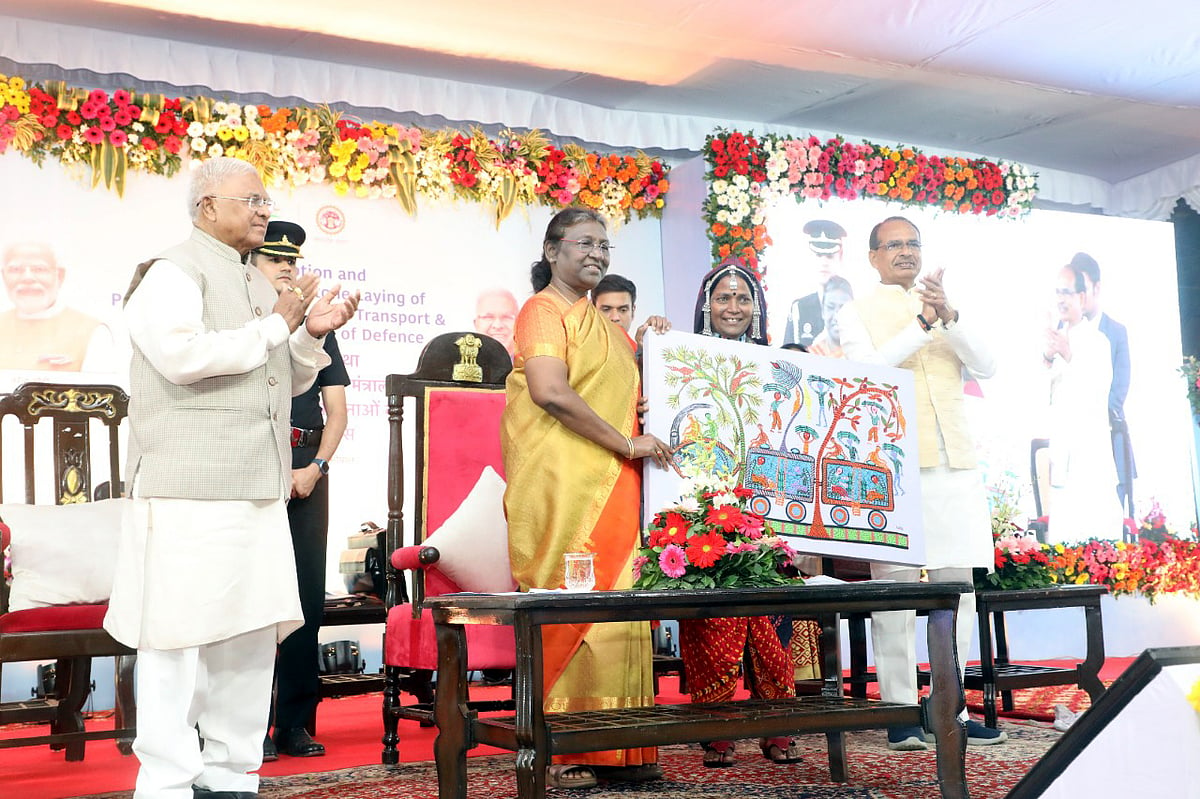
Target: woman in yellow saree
<point x="571" y="450"/>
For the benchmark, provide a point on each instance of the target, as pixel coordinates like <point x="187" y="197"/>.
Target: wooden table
<point x="996" y="673"/>
<point x="535" y="735"/>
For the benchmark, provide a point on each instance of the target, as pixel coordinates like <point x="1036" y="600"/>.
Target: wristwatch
<point x="322" y="464"/>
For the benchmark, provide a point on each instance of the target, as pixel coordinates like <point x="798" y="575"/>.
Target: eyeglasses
<point x="1066" y="292"/>
<point x="897" y="246"/>
<point x="586" y="246"/>
<point x="253" y="203"/>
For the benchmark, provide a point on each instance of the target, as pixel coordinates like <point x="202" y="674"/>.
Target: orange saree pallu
<point x="567" y="494"/>
<point x="712" y="652"/>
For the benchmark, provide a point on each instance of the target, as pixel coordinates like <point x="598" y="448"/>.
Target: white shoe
<point x="1064" y="717"/>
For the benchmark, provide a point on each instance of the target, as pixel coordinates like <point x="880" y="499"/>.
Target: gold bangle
<point x="629" y="441"/>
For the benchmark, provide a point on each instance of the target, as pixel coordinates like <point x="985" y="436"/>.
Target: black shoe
<point x="297" y="743"/>
<point x="205" y="793"/>
<point x="270" y="753"/>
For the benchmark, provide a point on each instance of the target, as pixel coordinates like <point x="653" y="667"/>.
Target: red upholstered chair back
<point x="457" y="393"/>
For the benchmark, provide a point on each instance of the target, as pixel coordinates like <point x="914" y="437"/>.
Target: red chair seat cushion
<point x="411" y="643"/>
<point x="57" y="617"/>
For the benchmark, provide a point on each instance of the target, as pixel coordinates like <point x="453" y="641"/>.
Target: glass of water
<point x="579" y="574"/>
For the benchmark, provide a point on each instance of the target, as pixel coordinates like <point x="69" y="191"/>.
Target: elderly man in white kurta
<point x="206" y="582"/>
<point x="912" y="325"/>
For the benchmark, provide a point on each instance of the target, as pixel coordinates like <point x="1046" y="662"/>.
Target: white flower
<point x="719" y="186"/>
<point x="216" y="151"/>
<point x="250" y="112"/>
<point x="198" y="145"/>
<point x="195" y="129"/>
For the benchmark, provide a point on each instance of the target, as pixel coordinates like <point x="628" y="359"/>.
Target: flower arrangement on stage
<point x="1157" y="563"/>
<point x="111" y="134"/>
<point x="1021" y="562"/>
<point x="747" y="174"/>
<point x="1191" y="373"/>
<point x="709" y="539"/>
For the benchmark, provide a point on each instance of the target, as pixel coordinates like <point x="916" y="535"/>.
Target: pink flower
<point x="638" y="563"/>
<point x="673" y="561"/>
<point x="98" y="97"/>
<point x="118" y="138"/>
<point x="93" y="135"/>
<point x="121" y="97"/>
<point x="751" y="526"/>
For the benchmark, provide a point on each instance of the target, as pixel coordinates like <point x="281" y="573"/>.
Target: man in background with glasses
<point x="39" y="332"/>
<point x="911" y="323"/>
<point x="206" y="580"/>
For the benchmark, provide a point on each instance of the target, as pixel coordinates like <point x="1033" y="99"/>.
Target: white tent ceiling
<point x="1106" y="89"/>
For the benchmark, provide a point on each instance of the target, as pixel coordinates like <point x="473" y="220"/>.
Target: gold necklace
<point x="558" y="291"/>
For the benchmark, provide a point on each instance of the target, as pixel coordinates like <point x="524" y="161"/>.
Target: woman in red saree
<point x="571" y="453"/>
<point x="731" y="305"/>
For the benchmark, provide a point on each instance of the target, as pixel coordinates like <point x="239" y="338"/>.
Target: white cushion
<point x="473" y="541"/>
<point x="63" y="554"/>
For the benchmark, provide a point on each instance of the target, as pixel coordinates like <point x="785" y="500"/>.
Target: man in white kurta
<point x="206" y="585"/>
<point x="913" y="325"/>
<point x="1082" y="473"/>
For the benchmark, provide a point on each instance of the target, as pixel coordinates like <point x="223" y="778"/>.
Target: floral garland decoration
<point x="106" y="135"/>
<point x="746" y="174"/>
<point x="709" y="539"/>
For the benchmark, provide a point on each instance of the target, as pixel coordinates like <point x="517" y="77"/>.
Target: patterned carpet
<point x="875" y="773"/>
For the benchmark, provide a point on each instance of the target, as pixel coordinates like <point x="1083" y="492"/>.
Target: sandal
<point x="719" y="754"/>
<point x="780" y="750"/>
<point x="570" y="775"/>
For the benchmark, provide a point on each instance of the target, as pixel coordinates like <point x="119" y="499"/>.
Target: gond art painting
<point x="827" y="447"/>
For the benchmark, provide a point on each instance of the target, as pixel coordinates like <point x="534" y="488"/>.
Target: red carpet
<point x="351" y="729"/>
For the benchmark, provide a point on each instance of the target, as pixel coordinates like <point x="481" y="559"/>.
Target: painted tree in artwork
<point x="787" y="379"/>
<point x="728" y="381"/>
<point x="851" y="402"/>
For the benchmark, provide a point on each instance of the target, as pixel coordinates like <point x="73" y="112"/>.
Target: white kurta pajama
<point x="205" y="588"/>
<point x="1083" y="479"/>
<point x="955" y="510"/>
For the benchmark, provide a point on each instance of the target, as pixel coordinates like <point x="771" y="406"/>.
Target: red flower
<point x="705" y="550"/>
<point x="726" y="518"/>
<point x="172" y="144"/>
<point x="149" y="145"/>
<point x="64" y="131"/>
<point x="674" y="530"/>
<point x="73" y="118"/>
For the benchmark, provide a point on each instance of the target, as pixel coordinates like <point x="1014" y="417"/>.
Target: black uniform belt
<point x="305" y="438"/>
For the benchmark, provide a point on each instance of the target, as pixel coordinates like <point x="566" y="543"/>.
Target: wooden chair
<point x="458" y="393"/>
<point x="71" y="635"/>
